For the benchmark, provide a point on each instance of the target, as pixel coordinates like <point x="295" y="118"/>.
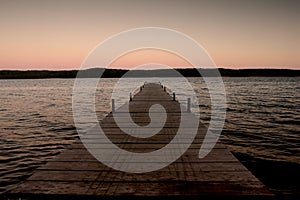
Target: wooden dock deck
<point x="75" y="173"/>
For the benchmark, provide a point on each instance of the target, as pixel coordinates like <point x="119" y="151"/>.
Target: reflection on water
<point x="262" y="121"/>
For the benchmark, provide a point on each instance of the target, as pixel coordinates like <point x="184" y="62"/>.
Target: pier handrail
<point x="137" y="90"/>
<point x="170" y="92"/>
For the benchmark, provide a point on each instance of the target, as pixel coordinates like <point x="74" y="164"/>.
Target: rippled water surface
<point x="262" y="123"/>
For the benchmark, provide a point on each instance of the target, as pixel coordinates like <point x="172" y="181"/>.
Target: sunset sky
<point x="59" y="34"/>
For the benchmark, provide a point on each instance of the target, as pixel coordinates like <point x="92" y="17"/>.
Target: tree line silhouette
<point x="117" y="73"/>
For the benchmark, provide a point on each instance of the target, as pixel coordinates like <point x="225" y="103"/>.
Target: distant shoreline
<point x="117" y="73"/>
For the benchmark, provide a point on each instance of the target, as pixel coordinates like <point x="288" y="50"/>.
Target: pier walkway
<point x="75" y="173"/>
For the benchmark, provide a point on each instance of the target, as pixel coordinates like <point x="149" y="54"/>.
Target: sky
<point x="60" y="34"/>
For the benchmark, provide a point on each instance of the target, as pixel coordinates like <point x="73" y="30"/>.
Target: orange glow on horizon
<point x="147" y="56"/>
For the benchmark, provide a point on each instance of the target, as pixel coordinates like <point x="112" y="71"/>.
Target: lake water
<point x="261" y="129"/>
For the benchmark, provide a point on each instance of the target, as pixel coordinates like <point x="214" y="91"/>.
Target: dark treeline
<point x="116" y="73"/>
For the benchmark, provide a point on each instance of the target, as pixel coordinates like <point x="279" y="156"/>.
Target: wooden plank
<point x="96" y="166"/>
<point x="32" y="188"/>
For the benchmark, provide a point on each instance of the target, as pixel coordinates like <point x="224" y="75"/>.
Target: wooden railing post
<point x="188" y="104"/>
<point x="112" y="105"/>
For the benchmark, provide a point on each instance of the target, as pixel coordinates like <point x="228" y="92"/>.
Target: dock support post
<point x="130" y="97"/>
<point x="174" y="96"/>
<point x="161" y="84"/>
<point x="112" y="105"/>
<point x="188" y="104"/>
<point x="164" y="88"/>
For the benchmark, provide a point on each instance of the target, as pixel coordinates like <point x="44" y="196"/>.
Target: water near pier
<point x="262" y="124"/>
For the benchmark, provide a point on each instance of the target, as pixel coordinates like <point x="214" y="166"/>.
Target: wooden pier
<point x="75" y="173"/>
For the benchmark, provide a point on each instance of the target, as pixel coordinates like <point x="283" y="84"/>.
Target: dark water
<point x="262" y="125"/>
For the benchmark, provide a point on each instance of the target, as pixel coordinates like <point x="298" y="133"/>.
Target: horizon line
<point x="229" y="68"/>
